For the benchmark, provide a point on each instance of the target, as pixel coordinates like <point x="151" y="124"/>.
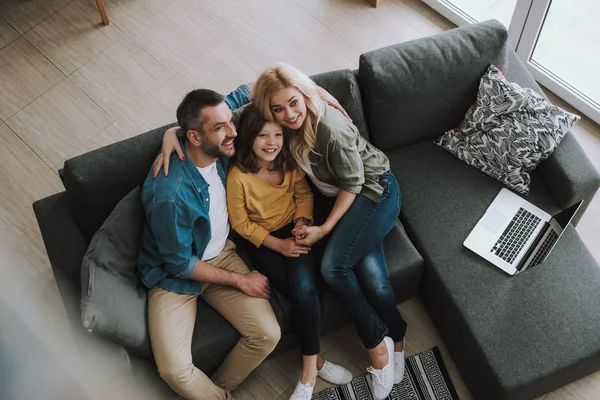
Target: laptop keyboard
<point x="545" y="248"/>
<point x="516" y="234"/>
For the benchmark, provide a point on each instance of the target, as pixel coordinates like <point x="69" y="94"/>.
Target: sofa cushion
<point x="419" y="89"/>
<point x="508" y="131"/>
<point x="98" y="180"/>
<point x="511" y="337"/>
<point x="113" y="300"/>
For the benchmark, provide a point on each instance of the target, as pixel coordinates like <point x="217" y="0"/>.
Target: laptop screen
<point x="564" y="217"/>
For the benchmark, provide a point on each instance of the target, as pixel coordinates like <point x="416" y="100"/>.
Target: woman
<point x="362" y="203"/>
<point x="268" y="198"/>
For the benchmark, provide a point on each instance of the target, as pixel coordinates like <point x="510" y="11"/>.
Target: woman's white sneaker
<point x="303" y="391"/>
<point x="383" y="379"/>
<point x="335" y="374"/>
<point x="399" y="363"/>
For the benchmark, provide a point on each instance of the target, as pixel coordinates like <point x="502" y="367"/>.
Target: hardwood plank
<point x="120" y="76"/>
<point x="24" y="15"/>
<point x="24" y="178"/>
<point x="255" y="388"/>
<point x="178" y="36"/>
<point x="73" y="36"/>
<point x="58" y="122"/>
<point x="24" y="75"/>
<point x="7" y="33"/>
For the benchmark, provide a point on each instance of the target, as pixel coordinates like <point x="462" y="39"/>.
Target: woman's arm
<point x="312" y="234"/>
<point x="345" y="160"/>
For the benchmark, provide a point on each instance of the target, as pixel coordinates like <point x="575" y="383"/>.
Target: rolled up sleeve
<point x="347" y="164"/>
<point x="172" y="226"/>
<point x="239" y="97"/>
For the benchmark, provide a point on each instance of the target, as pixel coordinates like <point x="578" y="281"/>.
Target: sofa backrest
<point x="343" y="85"/>
<point x="96" y="181"/>
<point x="419" y="89"/>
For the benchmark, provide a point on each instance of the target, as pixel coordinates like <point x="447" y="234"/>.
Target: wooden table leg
<point x="100" y="4"/>
<point x="374" y="3"/>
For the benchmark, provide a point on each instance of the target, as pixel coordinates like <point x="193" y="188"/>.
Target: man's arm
<point x="253" y="284"/>
<point x="172" y="226"/>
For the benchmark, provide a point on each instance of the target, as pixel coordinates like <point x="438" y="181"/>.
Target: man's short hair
<point x="189" y="112"/>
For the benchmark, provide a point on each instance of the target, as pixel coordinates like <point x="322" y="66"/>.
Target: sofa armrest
<point x="65" y="245"/>
<point x="568" y="172"/>
<point x="570" y="175"/>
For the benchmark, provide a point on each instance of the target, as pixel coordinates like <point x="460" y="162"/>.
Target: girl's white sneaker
<point x="335" y="374"/>
<point x="399" y="364"/>
<point x="303" y="391"/>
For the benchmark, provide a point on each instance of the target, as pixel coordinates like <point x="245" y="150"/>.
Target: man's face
<point x="219" y="131"/>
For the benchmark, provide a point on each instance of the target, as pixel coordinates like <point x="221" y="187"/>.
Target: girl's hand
<point x="299" y="222"/>
<point x="291" y="248"/>
<point x="170" y="144"/>
<point x="312" y="234"/>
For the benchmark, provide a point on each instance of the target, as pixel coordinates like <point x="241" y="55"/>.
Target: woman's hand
<point x="299" y="222"/>
<point x="170" y="144"/>
<point x="311" y="234"/>
<point x="332" y="101"/>
<point x="291" y="248"/>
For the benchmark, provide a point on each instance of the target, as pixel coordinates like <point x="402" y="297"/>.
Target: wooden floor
<point x="69" y="85"/>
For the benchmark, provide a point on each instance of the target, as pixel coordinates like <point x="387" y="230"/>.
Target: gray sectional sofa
<point x="511" y="337"/>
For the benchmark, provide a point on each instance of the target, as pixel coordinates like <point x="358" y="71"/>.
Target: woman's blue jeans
<point x="354" y="264"/>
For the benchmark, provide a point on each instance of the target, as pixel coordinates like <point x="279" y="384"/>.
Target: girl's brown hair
<point x="250" y="125"/>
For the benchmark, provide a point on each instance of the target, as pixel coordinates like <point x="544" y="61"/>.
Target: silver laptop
<point x="515" y="235"/>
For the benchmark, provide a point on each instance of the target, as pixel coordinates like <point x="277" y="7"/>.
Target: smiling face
<point x="289" y="107"/>
<point x="218" y="131"/>
<point x="268" y="143"/>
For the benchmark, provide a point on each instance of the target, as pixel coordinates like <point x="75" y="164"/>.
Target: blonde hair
<point x="283" y="76"/>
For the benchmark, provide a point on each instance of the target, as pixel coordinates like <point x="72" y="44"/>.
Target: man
<point x="185" y="253"/>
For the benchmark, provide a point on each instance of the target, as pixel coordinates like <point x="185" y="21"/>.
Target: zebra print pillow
<point x="508" y="131"/>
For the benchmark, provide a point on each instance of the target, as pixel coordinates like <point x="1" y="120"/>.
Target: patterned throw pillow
<point x="508" y="131"/>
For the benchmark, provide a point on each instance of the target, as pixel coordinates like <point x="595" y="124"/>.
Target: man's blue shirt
<point x="177" y="228"/>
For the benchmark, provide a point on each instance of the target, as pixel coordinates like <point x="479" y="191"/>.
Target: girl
<point x="268" y="199"/>
<point x="361" y="199"/>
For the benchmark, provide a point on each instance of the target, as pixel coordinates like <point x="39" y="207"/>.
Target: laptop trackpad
<point x="493" y="221"/>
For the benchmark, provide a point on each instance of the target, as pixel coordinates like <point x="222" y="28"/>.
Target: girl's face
<point x="268" y="143"/>
<point x="289" y="108"/>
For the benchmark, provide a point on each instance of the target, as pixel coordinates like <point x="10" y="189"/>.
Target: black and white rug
<point x="425" y="378"/>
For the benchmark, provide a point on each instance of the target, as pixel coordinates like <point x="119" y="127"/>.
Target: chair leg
<point x="100" y="4"/>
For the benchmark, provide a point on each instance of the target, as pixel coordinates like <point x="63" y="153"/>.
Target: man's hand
<point x="290" y="248"/>
<point x="255" y="284"/>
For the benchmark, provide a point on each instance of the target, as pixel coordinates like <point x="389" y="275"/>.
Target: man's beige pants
<point x="171" y="318"/>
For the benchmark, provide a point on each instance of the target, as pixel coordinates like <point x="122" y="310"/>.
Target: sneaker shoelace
<point x="327" y="368"/>
<point x="305" y="390"/>
<point x="378" y="375"/>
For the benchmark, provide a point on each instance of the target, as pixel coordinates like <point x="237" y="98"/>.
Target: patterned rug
<point x="425" y="378"/>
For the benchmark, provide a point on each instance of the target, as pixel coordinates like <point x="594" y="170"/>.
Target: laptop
<point x="515" y="235"/>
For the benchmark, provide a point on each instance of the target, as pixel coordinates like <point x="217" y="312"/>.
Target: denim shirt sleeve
<point x="238" y="97"/>
<point x="172" y="227"/>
